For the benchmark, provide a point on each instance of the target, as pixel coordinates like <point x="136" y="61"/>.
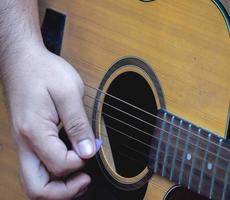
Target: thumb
<point x="72" y="114"/>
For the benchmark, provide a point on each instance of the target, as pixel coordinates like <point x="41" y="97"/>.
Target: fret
<point x="167" y="145"/>
<point x="214" y="170"/>
<point x="194" y="158"/>
<point x="185" y="154"/>
<point x="204" y="164"/>
<point x="175" y="150"/>
<point x="226" y="181"/>
<point x="160" y="141"/>
<point x="191" y="156"/>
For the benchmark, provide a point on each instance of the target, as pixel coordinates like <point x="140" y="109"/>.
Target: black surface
<point x="228" y="129"/>
<point x="180" y="193"/>
<point x="130" y="156"/>
<point x="52" y="30"/>
<point x="100" y="187"/>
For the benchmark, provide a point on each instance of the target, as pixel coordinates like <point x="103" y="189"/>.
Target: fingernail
<point x="85" y="148"/>
<point x="98" y="144"/>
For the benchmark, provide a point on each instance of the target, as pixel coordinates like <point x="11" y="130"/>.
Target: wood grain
<point x="9" y="187"/>
<point x="186" y="43"/>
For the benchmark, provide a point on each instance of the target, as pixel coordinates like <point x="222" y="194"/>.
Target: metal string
<point x="170" y="144"/>
<point x="154" y="148"/>
<point x="157" y="127"/>
<point x="145" y="155"/>
<point x="146" y="112"/>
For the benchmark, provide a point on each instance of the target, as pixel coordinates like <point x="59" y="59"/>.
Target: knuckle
<point x="71" y="87"/>
<point x="24" y="123"/>
<point x="81" y="86"/>
<point x="58" y="171"/>
<point x="75" y="86"/>
<point x="76" y="126"/>
<point x="25" y="129"/>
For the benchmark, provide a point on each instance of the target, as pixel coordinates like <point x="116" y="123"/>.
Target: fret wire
<point x="175" y="151"/>
<point x="130" y="158"/>
<point x="184" y="153"/>
<point x="136" y="107"/>
<point x="203" y="165"/>
<point x="134" y="159"/>
<point x="158" y="127"/>
<point x="154" y="148"/>
<point x="159" y="144"/>
<point x="157" y="138"/>
<point x="214" y="170"/>
<point x="226" y="181"/>
<point x="167" y="146"/>
<point x="194" y="159"/>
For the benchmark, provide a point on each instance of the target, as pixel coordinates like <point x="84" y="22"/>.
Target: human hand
<point x="43" y="89"/>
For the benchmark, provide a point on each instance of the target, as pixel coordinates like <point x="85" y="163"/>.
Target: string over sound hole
<point x="129" y="135"/>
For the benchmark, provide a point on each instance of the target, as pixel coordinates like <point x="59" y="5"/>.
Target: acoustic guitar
<point x="157" y="91"/>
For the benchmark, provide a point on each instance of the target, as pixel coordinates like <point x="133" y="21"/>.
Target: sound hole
<point x="180" y="193"/>
<point x="130" y="130"/>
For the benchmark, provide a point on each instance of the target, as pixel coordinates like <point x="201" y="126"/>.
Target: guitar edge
<point x="186" y="43"/>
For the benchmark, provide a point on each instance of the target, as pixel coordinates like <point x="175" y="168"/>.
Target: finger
<point x="54" y="154"/>
<point x="37" y="184"/>
<point x="73" y="187"/>
<point x="71" y="111"/>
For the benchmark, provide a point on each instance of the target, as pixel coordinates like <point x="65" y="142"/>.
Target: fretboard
<point x="191" y="156"/>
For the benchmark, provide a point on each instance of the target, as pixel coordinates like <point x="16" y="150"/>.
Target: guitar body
<point x="180" y="48"/>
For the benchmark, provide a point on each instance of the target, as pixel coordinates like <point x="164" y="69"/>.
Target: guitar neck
<point x="190" y="156"/>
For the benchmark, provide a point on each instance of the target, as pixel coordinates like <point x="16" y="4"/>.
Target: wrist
<point x="19" y="30"/>
<point x="15" y="59"/>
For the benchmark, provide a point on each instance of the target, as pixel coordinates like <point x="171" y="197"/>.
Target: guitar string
<point x="140" y="163"/>
<point x="147" y="156"/>
<point x="144" y="132"/>
<point x="178" y="148"/>
<point x="160" y="128"/>
<point x="133" y="159"/>
<point x="161" y="151"/>
<point x="155" y="116"/>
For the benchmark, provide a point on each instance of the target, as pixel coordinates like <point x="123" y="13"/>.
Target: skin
<point x="42" y="89"/>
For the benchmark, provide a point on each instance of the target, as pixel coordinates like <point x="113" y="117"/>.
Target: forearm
<point x="19" y="29"/>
